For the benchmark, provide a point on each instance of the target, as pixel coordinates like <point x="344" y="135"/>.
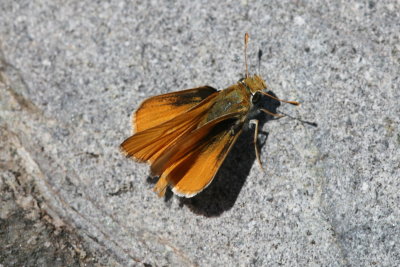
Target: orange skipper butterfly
<point x="186" y="135"/>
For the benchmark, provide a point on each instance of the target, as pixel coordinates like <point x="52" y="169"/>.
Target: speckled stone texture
<point x="72" y="72"/>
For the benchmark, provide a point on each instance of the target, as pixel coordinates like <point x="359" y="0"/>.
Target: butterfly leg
<point x="255" y="122"/>
<point x="283" y="115"/>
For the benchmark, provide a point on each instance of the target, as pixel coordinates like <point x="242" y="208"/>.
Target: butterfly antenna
<point x="246" y="41"/>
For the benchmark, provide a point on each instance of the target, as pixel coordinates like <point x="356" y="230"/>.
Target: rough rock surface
<point x="72" y="72"/>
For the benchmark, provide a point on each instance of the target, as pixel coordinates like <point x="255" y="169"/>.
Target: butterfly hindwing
<point x="191" y="163"/>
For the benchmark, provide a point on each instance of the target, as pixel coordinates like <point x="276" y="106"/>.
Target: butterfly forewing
<point x="148" y="144"/>
<point x="159" y="109"/>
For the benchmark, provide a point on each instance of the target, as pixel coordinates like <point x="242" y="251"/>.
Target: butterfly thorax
<point x="235" y="99"/>
<point x="254" y="83"/>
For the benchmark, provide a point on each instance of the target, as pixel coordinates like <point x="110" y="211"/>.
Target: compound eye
<point x="256" y="97"/>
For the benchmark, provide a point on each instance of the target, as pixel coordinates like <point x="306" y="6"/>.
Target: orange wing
<point x="191" y="163"/>
<point x="159" y="109"/>
<point x="149" y="144"/>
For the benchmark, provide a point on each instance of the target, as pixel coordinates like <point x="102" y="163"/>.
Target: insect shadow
<point x="224" y="190"/>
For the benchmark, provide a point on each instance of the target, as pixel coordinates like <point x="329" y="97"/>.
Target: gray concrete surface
<point x="73" y="71"/>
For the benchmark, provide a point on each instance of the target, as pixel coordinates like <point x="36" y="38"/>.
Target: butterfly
<point x="185" y="136"/>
